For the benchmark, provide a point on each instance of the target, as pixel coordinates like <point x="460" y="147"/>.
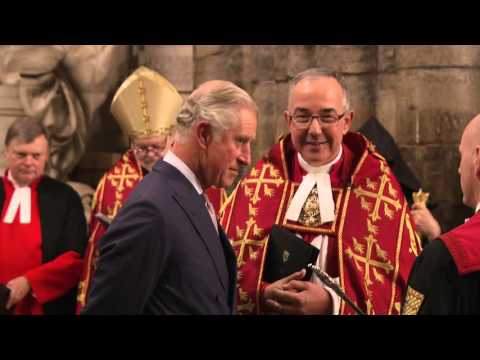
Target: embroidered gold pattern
<point x="259" y="180"/>
<point x="310" y="214"/>
<point x="397" y="259"/>
<point x="144" y="106"/>
<point x="246" y="241"/>
<point x="247" y="304"/>
<point x="123" y="177"/>
<point x="368" y="261"/>
<point x="327" y="228"/>
<point x="370" y="258"/>
<point x="81" y="296"/>
<point x="413" y="302"/>
<point x="379" y="199"/>
<point x="414" y="237"/>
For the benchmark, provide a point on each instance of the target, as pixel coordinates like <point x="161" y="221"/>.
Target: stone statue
<point x="63" y="86"/>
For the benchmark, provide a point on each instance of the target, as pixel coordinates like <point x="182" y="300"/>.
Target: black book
<point x="4" y="295"/>
<point x="286" y="254"/>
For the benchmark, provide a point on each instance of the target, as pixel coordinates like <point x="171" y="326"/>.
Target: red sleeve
<point x="55" y="278"/>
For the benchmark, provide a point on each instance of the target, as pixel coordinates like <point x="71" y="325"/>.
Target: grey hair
<point x="322" y="72"/>
<point x="26" y="130"/>
<point x="219" y="107"/>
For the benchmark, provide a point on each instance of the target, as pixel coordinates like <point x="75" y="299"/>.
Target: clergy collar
<point x="11" y="180"/>
<point x="322" y="169"/>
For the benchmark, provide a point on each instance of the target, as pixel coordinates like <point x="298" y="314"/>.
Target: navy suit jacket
<point x="162" y="255"/>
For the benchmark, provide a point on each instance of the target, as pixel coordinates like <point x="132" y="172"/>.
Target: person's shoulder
<point x="437" y="252"/>
<point x="435" y="258"/>
<point x="58" y="187"/>
<point x="154" y="188"/>
<point x="433" y="268"/>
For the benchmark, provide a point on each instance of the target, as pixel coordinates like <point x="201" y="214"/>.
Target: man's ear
<point x="348" y="121"/>
<point x="203" y="132"/>
<point x="286" y="115"/>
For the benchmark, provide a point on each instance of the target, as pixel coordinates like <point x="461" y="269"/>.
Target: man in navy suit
<point x="165" y="252"/>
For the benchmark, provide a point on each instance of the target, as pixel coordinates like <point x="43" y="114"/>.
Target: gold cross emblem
<point x="244" y="241"/>
<point x="123" y="178"/>
<point x="365" y="257"/>
<point x="246" y="303"/>
<point x="379" y="197"/>
<point x="254" y="193"/>
<point x="112" y="212"/>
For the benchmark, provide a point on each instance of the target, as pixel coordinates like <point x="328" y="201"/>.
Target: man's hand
<point x="19" y="288"/>
<point x="295" y="297"/>
<point x="425" y="222"/>
<point x="280" y="284"/>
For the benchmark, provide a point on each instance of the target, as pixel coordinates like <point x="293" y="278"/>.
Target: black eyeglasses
<point x="142" y="150"/>
<point x="304" y="121"/>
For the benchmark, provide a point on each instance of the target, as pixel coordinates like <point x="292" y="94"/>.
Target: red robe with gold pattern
<point x="217" y="197"/>
<point x="112" y="192"/>
<point x="372" y="244"/>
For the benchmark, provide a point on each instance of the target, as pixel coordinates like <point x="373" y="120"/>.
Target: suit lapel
<point x="232" y="266"/>
<point x="198" y="215"/>
<point x="194" y="207"/>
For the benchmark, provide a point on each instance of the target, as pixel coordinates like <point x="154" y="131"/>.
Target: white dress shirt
<point x="178" y="163"/>
<point x="319" y="176"/>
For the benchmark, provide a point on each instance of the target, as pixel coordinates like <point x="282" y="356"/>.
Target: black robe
<point x="63" y="229"/>
<point x="445" y="278"/>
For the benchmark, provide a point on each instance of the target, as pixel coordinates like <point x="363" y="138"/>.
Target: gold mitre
<point x="146" y="104"/>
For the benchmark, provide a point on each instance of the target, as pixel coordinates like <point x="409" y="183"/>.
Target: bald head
<point x="469" y="169"/>
<point x="472" y="132"/>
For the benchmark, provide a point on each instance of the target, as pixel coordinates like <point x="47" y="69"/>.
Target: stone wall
<point x="423" y="95"/>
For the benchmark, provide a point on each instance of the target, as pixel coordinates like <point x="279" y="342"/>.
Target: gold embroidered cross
<point x="380" y="197"/>
<point x="244" y="240"/>
<point x="122" y="178"/>
<point x="245" y="303"/>
<point x="111" y="213"/>
<point x="365" y="257"/>
<point x="261" y="180"/>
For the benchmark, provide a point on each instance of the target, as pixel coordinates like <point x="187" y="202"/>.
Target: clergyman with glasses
<point x="331" y="188"/>
<point x="145" y="106"/>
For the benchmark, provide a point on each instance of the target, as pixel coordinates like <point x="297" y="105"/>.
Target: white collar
<point x="178" y="163"/>
<point x="12" y="180"/>
<point x="21" y="200"/>
<point x="477" y="209"/>
<point x="316" y="176"/>
<point x="322" y="169"/>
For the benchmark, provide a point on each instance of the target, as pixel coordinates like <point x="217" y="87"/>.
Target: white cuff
<point x="335" y="299"/>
